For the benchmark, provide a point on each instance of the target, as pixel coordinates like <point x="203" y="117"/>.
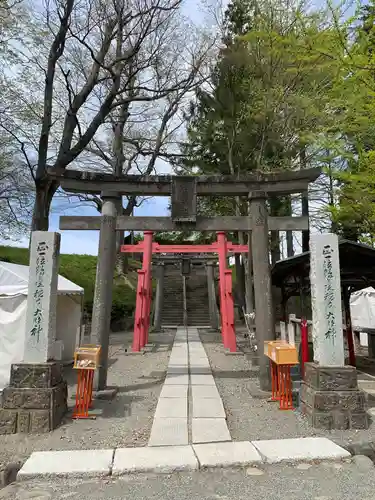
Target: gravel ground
<point x="126" y="421"/>
<point x="250" y="416"/>
<point x="324" y="481"/>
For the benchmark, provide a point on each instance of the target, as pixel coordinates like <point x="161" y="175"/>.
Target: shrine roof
<point x="357" y="267"/>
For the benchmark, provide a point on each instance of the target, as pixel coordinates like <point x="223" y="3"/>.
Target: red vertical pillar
<point x="147" y="263"/>
<point x="349" y="328"/>
<point x="304" y="346"/>
<point x="222" y="251"/>
<point x="349" y="334"/>
<point x="229" y="304"/>
<point x="137" y="337"/>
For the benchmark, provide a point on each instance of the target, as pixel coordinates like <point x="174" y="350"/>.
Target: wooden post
<point x="211" y="295"/>
<point x="159" y="297"/>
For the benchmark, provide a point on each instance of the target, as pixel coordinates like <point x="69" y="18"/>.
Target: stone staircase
<point x="172" y="314"/>
<point x="196" y="297"/>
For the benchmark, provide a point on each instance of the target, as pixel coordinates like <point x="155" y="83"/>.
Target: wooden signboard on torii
<point x="184" y="192"/>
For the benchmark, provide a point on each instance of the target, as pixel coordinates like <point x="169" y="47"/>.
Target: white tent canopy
<point x="362" y="308"/>
<point x="14" y="280"/>
<point x="362" y="311"/>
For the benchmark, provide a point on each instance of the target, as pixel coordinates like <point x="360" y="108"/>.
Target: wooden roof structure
<point x="357" y="269"/>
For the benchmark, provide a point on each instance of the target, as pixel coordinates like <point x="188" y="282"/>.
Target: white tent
<point x="13" y="301"/>
<point x="362" y="311"/>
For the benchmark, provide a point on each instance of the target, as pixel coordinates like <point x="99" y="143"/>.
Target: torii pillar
<point x="102" y="306"/>
<point x="264" y="320"/>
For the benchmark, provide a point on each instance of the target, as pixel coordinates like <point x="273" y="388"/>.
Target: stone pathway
<point x="189" y="432"/>
<point x="190" y="409"/>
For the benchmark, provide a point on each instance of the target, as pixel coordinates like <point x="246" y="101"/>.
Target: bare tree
<point x="15" y="190"/>
<point x="101" y="69"/>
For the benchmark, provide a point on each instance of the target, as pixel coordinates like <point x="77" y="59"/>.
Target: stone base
<point x="254" y="358"/>
<point x="129" y="352"/>
<point x="148" y="348"/>
<point x="330" y="398"/>
<point x="36" y="399"/>
<point x="107" y="394"/>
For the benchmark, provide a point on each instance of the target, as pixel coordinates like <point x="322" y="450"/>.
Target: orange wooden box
<point x="268" y="345"/>
<point x="284" y="354"/>
<point x="86" y="357"/>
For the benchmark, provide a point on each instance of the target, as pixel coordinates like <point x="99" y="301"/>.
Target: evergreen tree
<point x="268" y="96"/>
<point x="354" y="214"/>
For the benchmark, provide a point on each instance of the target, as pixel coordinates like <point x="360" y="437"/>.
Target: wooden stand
<point x="85" y="362"/>
<point x="282" y="357"/>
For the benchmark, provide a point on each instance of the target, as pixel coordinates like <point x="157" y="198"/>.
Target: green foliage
<point x="355" y="213"/>
<point x="81" y="269"/>
<point x="352" y="212"/>
<point x="183" y="238"/>
<point x="271" y="94"/>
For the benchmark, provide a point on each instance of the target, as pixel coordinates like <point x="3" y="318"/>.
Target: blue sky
<point x="86" y="242"/>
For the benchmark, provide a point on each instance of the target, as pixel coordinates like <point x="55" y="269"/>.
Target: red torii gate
<point x="144" y="288"/>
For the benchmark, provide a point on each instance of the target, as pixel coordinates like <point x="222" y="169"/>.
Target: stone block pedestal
<point x="35" y="400"/>
<point x="330" y="398"/>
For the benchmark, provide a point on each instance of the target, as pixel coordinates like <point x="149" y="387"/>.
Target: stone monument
<point x="36" y="398"/>
<point x="330" y="397"/>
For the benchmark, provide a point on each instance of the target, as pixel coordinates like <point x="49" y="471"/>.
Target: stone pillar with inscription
<point x="330" y="397"/>
<point x="36" y="399"/>
<point x="42" y="297"/>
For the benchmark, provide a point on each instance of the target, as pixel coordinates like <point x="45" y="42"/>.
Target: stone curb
<point x="167" y="459"/>
<point x="8" y="474"/>
<point x="364" y="448"/>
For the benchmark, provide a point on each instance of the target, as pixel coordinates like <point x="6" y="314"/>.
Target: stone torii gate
<point x="184" y="191"/>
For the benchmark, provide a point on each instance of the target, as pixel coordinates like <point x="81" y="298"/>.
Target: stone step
<point x="198" y="320"/>
<point x="198" y="316"/>
<point x="196" y="310"/>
